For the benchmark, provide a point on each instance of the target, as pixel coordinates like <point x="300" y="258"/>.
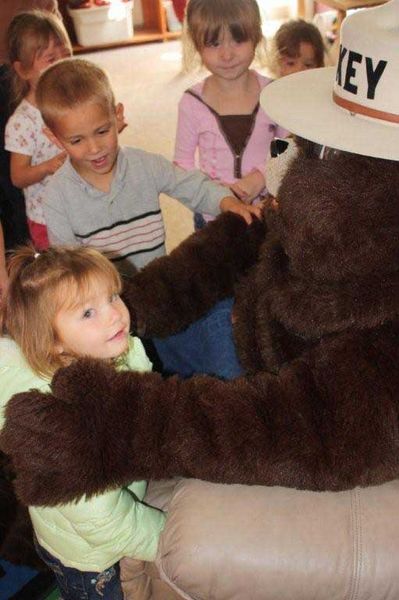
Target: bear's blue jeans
<point x="83" y="585"/>
<point x="205" y="347"/>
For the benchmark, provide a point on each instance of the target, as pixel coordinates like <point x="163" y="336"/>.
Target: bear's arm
<point x="176" y="290"/>
<point x="327" y="421"/>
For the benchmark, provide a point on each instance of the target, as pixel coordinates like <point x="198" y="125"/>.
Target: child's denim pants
<point x="205" y="347"/>
<point x="83" y="585"/>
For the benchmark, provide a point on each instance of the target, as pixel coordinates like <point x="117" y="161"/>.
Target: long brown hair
<point x="39" y="286"/>
<point x="28" y="34"/>
<point x="288" y="38"/>
<point x="205" y="21"/>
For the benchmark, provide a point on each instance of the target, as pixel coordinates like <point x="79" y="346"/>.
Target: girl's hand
<point x="273" y="203"/>
<point x="249" y="187"/>
<point x="23" y="173"/>
<point x="231" y="204"/>
<point x="55" y="163"/>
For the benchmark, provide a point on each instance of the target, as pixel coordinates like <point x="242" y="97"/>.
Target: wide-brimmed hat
<point x="354" y="106"/>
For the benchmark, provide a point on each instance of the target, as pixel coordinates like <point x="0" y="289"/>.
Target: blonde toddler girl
<point x="62" y="304"/>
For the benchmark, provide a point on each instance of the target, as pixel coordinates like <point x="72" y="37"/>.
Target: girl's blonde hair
<point x="40" y="285"/>
<point x="287" y="40"/>
<point x="28" y="34"/>
<point x="69" y="83"/>
<point x="205" y="21"/>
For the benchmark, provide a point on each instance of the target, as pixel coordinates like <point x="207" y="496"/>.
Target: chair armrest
<point x="232" y="542"/>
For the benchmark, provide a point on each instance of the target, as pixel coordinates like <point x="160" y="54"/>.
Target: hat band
<point x="355" y="108"/>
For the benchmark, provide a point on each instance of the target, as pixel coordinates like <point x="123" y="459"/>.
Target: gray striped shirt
<point x="126" y="223"/>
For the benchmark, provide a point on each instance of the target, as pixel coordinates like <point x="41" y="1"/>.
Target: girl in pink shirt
<point x="220" y="118"/>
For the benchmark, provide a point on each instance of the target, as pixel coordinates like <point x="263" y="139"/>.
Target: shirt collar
<point x="117" y="180"/>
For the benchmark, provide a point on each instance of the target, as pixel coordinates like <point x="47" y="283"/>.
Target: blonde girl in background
<point x="62" y="304"/>
<point x="297" y="46"/>
<point x="35" y="40"/>
<point x="220" y="118"/>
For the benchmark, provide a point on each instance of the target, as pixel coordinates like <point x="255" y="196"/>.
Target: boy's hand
<point x="249" y="187"/>
<point x="231" y="204"/>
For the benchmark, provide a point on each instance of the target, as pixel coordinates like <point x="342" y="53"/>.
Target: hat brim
<point x="302" y="103"/>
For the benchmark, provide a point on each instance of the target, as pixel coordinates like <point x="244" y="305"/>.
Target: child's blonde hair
<point x="40" y="286"/>
<point x="287" y="41"/>
<point x="205" y="21"/>
<point x="69" y="83"/>
<point x="28" y="34"/>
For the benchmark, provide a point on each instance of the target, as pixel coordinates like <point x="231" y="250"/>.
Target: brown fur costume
<point x="316" y="330"/>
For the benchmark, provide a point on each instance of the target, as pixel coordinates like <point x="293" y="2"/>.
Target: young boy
<point x="106" y="196"/>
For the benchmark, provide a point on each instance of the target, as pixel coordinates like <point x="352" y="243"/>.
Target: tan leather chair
<point x="226" y="542"/>
<point x="141" y="580"/>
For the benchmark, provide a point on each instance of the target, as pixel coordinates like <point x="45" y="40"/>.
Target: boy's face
<point x="89" y="134"/>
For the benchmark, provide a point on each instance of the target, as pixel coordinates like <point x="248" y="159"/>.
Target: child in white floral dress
<point x="35" y="40"/>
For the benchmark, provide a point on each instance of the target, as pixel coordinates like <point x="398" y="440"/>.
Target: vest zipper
<point x="236" y="157"/>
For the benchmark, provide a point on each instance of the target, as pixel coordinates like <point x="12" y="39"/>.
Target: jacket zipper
<point x="237" y="157"/>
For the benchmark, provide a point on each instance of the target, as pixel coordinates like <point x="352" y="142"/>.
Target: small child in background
<point x="62" y="304"/>
<point x="104" y="195"/>
<point x="220" y="118"/>
<point x="12" y="199"/>
<point x="35" y="40"/>
<point x="296" y="46"/>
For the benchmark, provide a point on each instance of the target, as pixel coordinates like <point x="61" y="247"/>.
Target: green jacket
<point x="89" y="535"/>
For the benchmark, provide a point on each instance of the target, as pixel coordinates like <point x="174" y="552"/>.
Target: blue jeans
<point x="205" y="347"/>
<point x="83" y="585"/>
<point x="199" y="221"/>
